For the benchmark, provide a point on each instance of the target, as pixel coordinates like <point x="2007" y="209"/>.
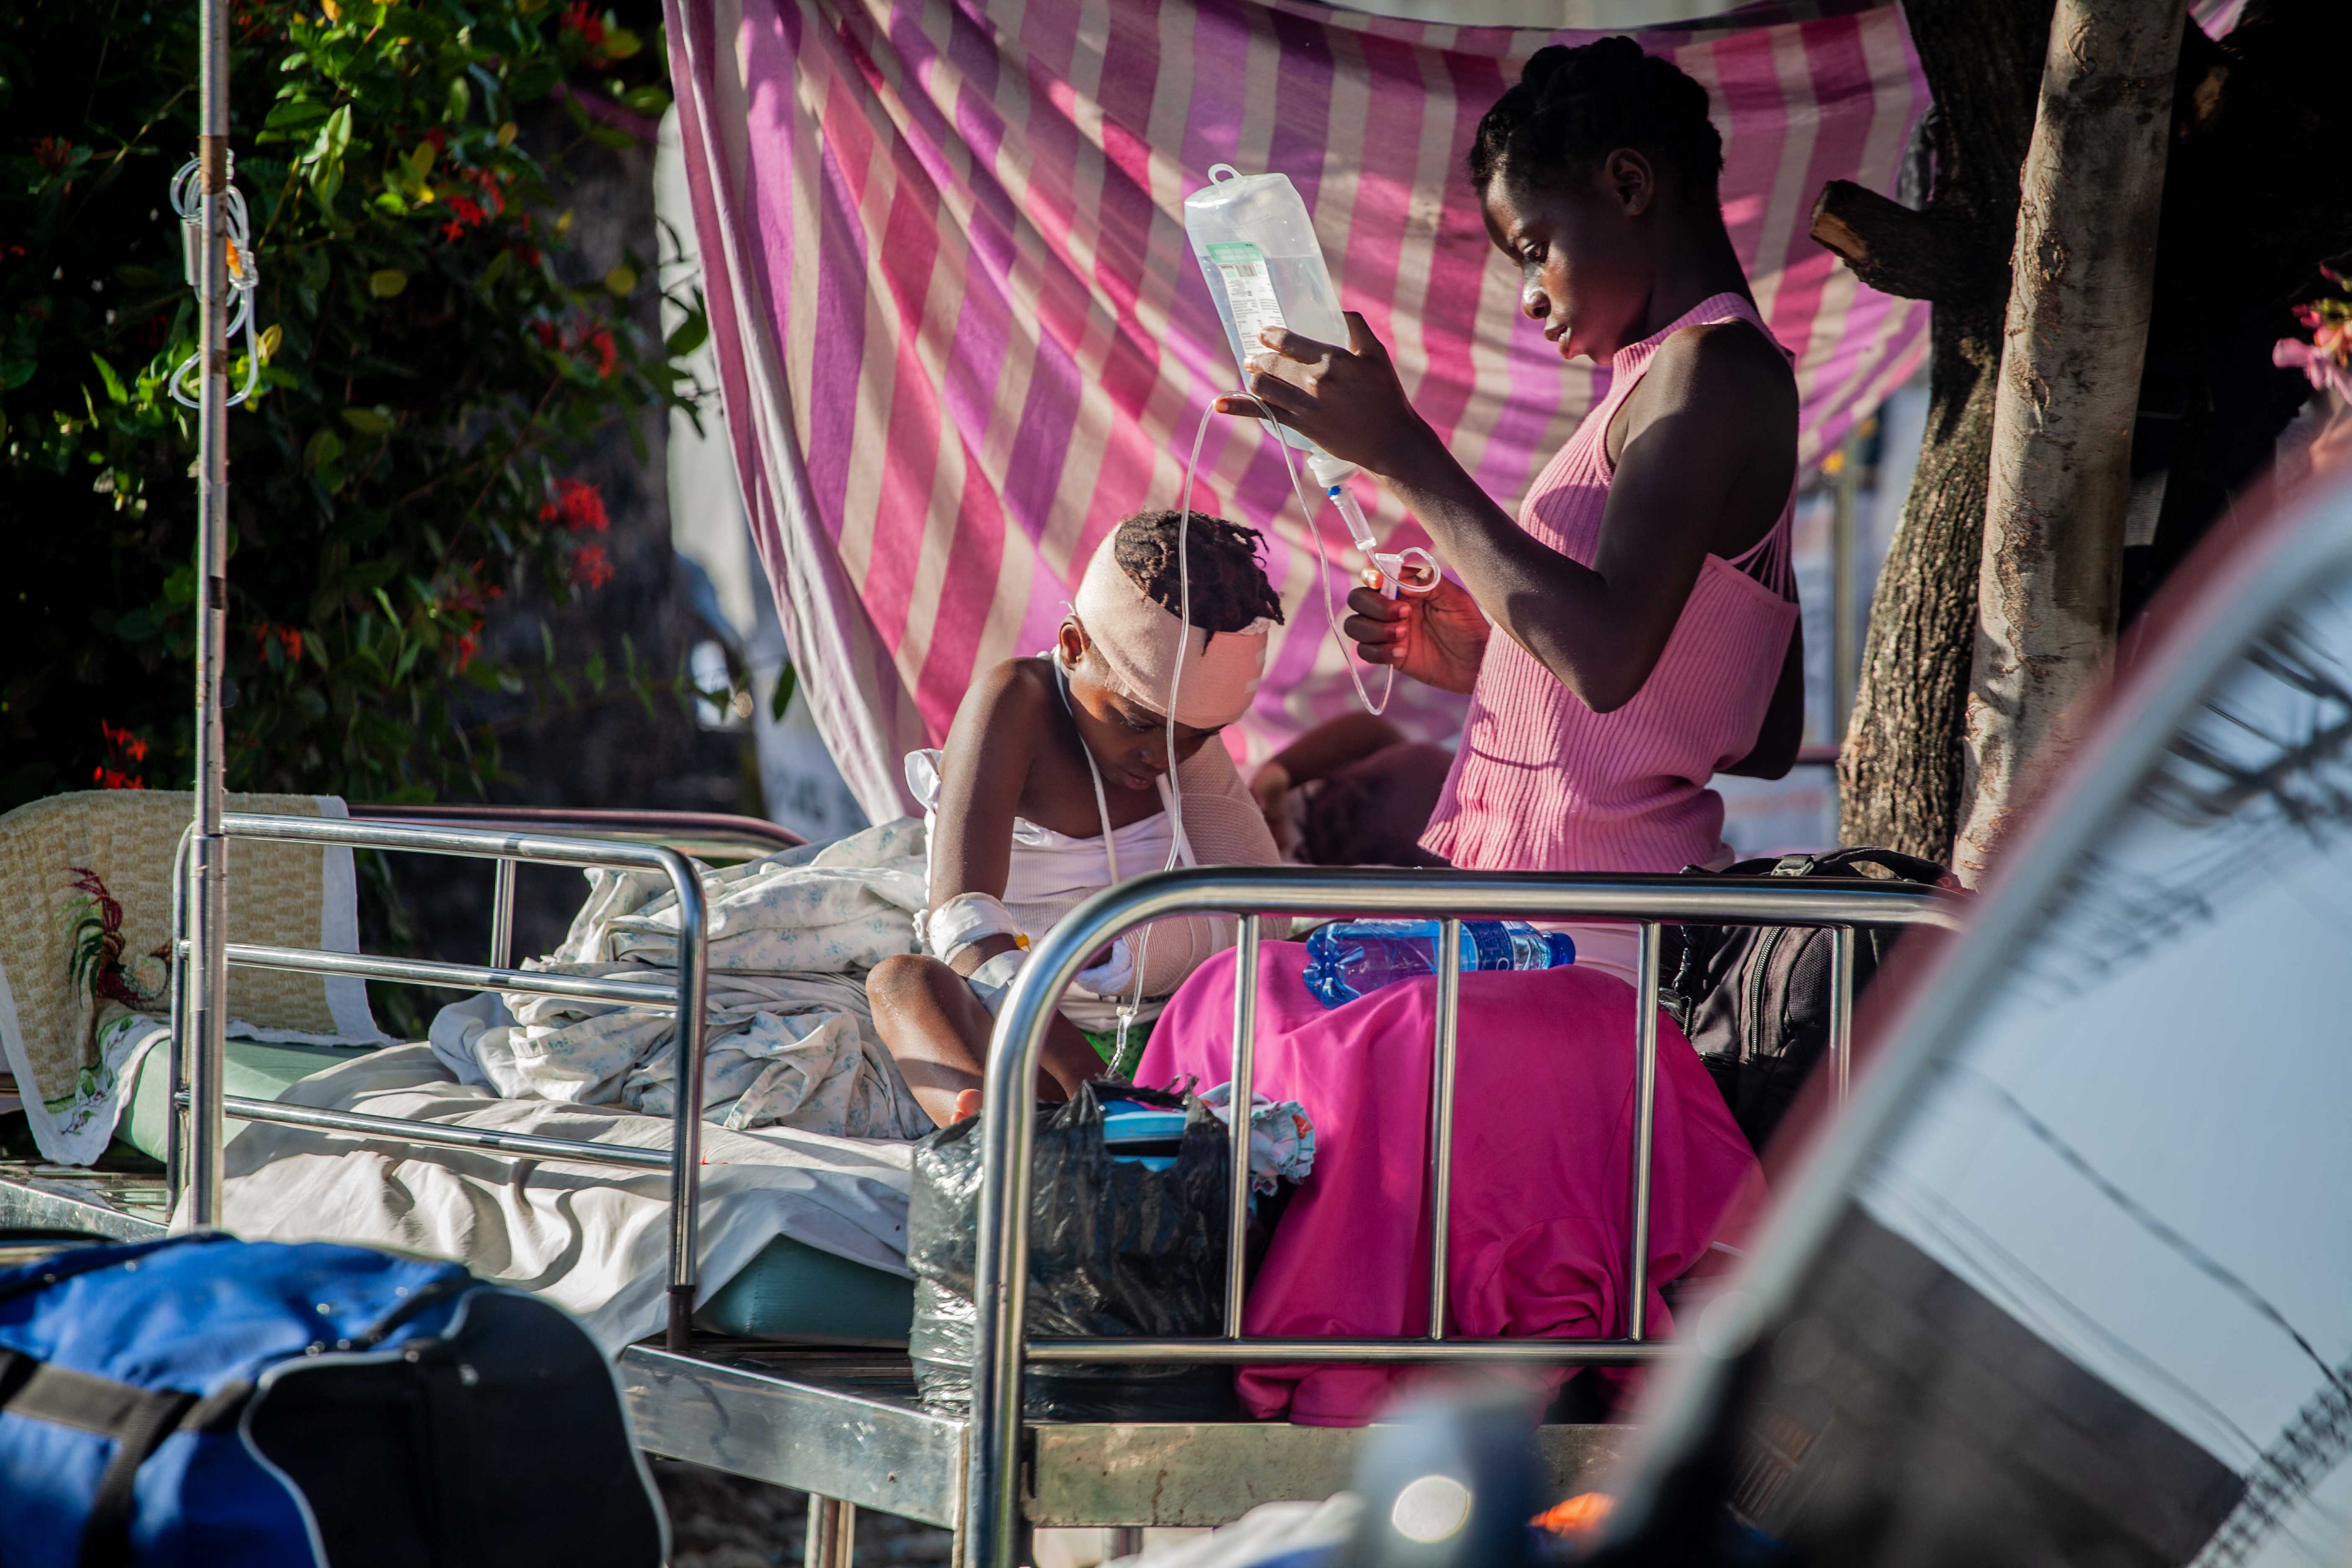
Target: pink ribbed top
<point x="1542" y="782"/>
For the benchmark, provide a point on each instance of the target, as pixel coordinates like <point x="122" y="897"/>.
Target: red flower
<point x="439" y="138"/>
<point x="469" y="642"/>
<point x="578" y="507"/>
<point x="544" y="330"/>
<point x="487" y="183"/>
<point x="107" y="778"/>
<point x="578" y="19"/>
<point x="599" y="341"/>
<point x="465" y="213"/>
<point x="288" y="639"/>
<point x="591" y="567"/>
<point x="52" y="153"/>
<point x="123" y="742"/>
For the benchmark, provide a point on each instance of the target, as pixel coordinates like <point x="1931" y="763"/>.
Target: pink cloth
<point x="1542" y="1194"/>
<point x="1541" y="783"/>
<point x="959" y="331"/>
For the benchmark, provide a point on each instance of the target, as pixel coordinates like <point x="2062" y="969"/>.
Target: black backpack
<point x="1755" y="1000"/>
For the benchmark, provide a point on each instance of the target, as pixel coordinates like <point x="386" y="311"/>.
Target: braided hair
<point x="1229" y="590"/>
<point x="1573" y="107"/>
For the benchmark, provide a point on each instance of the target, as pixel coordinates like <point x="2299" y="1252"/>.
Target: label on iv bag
<point x="1249" y="290"/>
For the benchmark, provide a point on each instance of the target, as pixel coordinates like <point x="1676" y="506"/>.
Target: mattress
<point x="789" y="1291"/>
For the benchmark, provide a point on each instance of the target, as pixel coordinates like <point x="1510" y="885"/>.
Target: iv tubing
<point x="1323" y="575"/>
<point x="1349" y="513"/>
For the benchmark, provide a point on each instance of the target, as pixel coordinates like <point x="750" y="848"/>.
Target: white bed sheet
<point x="594" y="1239"/>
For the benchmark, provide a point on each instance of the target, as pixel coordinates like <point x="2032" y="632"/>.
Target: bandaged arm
<point x="1226" y="828"/>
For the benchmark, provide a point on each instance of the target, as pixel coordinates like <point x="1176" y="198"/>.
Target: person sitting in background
<point x="1353" y="791"/>
<point x="1055" y="784"/>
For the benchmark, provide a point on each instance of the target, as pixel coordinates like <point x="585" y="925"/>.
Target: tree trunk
<point x="2083" y="281"/>
<point x="2257" y="193"/>
<point x="1900" y="771"/>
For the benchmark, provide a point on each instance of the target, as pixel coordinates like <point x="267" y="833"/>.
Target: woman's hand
<point x="1347" y="401"/>
<point x="1439" y="637"/>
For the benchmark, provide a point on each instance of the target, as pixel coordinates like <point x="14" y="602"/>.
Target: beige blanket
<point x="85" y="972"/>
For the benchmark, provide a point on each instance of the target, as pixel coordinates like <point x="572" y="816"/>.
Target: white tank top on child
<point x="1052" y="873"/>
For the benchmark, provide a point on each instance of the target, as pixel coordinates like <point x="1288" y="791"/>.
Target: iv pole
<point x="208" y="984"/>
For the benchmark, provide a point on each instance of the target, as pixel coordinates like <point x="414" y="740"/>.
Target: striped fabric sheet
<point x="961" y="332"/>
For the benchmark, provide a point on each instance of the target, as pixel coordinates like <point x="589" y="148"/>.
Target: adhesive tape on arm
<point x="966" y="919"/>
<point x="1000" y="970"/>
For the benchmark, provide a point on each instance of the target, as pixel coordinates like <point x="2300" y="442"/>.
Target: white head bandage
<point x="1137" y="638"/>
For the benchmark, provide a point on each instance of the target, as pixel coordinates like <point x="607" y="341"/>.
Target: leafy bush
<point x="427" y="370"/>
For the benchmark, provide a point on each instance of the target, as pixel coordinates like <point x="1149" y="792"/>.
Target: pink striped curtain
<point x="961" y="332"/>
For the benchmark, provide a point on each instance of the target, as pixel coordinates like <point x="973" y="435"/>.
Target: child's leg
<point x="938" y="1033"/>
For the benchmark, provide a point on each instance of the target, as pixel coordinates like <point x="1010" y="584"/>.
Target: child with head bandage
<point x="1054" y="784"/>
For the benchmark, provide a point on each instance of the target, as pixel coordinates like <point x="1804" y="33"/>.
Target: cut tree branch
<point x="1897" y="250"/>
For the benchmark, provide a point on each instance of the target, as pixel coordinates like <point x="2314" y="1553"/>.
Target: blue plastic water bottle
<point x="1354" y="958"/>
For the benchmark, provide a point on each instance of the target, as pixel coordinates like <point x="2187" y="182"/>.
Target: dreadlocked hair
<point x="1229" y="590"/>
<point x="1573" y="107"/>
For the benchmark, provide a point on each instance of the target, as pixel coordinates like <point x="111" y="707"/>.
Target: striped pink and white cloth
<point x="961" y="332"/>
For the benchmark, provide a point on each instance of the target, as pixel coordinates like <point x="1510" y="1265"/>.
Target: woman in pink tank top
<point x="1643" y="592"/>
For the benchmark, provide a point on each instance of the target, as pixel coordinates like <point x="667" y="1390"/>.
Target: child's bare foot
<point x="967" y="1104"/>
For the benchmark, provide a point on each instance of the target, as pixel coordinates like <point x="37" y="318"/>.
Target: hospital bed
<point x="843" y="1423"/>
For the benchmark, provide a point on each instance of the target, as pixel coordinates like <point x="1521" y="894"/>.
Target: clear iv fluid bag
<point x="1256" y="246"/>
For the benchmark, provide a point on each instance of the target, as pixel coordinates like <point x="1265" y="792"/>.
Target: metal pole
<point x="686" y="1134"/>
<point x="831" y="1532"/>
<point x="175" y="1062"/>
<point x="207" y="1010"/>
<point x="1238" y="1192"/>
<point x="1840" y="1013"/>
<point x="1645" y="1109"/>
<point x="1440" y="1114"/>
<point x="992" y="1526"/>
<point x="1846" y="639"/>
<point x="439" y="1135"/>
<point x="502" y="890"/>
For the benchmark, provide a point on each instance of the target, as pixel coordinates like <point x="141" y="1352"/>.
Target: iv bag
<point x="1256" y="247"/>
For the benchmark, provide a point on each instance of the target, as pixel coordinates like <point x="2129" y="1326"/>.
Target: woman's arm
<point x="1002" y="719"/>
<point x="1333" y="745"/>
<point x="1705" y="415"/>
<point x="1318" y="753"/>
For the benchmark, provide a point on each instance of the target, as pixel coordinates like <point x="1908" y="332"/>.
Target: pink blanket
<point x="1542" y="1183"/>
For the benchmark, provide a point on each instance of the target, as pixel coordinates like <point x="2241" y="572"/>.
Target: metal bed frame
<point x="846" y="1427"/>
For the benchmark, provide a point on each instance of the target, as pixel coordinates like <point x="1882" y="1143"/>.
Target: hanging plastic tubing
<point x="243" y="275"/>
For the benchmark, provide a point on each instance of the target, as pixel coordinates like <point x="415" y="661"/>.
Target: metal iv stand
<point x="206" y="985"/>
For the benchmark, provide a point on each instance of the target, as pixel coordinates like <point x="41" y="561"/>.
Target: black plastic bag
<point x="1115" y="1250"/>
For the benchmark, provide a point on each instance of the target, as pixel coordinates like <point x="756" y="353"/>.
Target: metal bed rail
<point x="200" y="1105"/>
<point x="1008" y="1119"/>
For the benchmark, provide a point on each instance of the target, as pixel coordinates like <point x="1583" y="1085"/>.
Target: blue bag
<point x="203" y="1400"/>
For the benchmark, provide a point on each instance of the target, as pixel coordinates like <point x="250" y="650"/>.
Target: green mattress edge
<point x="789" y="1290"/>
<point x="258" y="1070"/>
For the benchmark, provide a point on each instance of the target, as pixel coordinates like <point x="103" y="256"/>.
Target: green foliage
<point x="427" y="373"/>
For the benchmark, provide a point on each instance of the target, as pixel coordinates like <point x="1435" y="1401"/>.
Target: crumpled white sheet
<point x="789" y="1040"/>
<point x="592" y="1238"/>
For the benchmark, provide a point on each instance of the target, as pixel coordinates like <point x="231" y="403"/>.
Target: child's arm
<point x="982" y="769"/>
